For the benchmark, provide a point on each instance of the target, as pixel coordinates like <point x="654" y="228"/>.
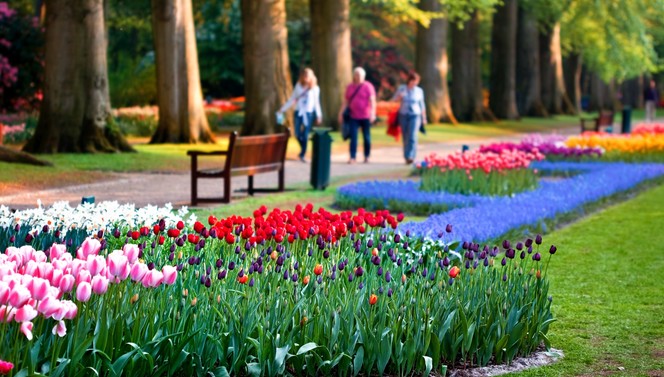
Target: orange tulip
<point x="306" y="280"/>
<point x="243" y="279"/>
<point x="318" y="270"/>
<point x="374" y="252"/>
<point x="454" y="272"/>
<point x="373" y="299"/>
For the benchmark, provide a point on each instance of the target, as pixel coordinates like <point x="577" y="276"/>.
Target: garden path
<point x="160" y="188"/>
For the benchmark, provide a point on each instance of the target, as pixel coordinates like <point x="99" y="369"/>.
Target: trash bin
<point x="627" y="120"/>
<point x="320" y="159"/>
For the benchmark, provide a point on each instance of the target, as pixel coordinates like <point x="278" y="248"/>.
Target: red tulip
<point x="243" y="279"/>
<point x="454" y="272"/>
<point x="173" y="233"/>
<point x="180" y="225"/>
<point x="5" y="367"/>
<point x="318" y="270"/>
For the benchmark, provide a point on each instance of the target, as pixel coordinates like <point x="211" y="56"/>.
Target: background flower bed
<point x="487" y="218"/>
<point x="306" y="290"/>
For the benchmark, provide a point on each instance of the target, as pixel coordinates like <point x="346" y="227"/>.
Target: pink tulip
<point x="39" y="256"/>
<point x="7" y="314"/>
<point x="138" y="271"/>
<point x="67" y="283"/>
<point x="95" y="264"/>
<point x="131" y="252"/>
<point x="4" y="292"/>
<point x="39" y="288"/>
<point x="83" y="275"/>
<point x="6" y="270"/>
<point x="32" y="268"/>
<point x="60" y="328"/>
<point x="90" y="246"/>
<point x="49" y="306"/>
<point x="77" y="265"/>
<point x="18" y="296"/>
<point x="72" y="309"/>
<point x="60" y="264"/>
<point x="56" y="277"/>
<point x="170" y="274"/>
<point x="26" y="329"/>
<point x="152" y="279"/>
<point x="56" y="251"/>
<point x="25" y="314"/>
<point x="46" y="270"/>
<point x="118" y="265"/>
<point x="83" y="292"/>
<point x="99" y="285"/>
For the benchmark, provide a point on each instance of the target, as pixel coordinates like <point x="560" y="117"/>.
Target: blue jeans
<point x="410" y="125"/>
<point x="302" y="130"/>
<point x="355" y="125"/>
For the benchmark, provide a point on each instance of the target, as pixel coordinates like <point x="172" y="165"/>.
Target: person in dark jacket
<point x="651" y="98"/>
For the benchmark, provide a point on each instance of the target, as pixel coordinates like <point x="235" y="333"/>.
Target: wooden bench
<point x="246" y="155"/>
<point x="605" y="119"/>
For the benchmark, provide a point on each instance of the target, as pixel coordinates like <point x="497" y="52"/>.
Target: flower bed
<point x="553" y="151"/>
<point x="489" y="173"/>
<point x="305" y="291"/>
<point x="485" y="218"/>
<point x="639" y="147"/>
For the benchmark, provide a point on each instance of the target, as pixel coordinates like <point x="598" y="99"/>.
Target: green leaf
<point x="280" y="358"/>
<point x="254" y="369"/>
<point x="306" y="348"/>
<point x="428" y="364"/>
<point x="118" y="366"/>
<point x="221" y="372"/>
<point x="358" y="361"/>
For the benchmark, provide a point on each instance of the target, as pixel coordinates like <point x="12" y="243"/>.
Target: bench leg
<point x="281" y="179"/>
<point x="227" y="189"/>
<point x="250" y="189"/>
<point x="194" y="182"/>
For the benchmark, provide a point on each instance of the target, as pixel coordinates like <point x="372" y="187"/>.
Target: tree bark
<point x="76" y="104"/>
<point x="267" y="81"/>
<point x="554" y="96"/>
<point x="432" y="64"/>
<point x="528" y="78"/>
<point x="502" y="91"/>
<point x="600" y="94"/>
<point x="331" y="54"/>
<point x="12" y="156"/>
<point x="468" y="101"/>
<point x="182" y="116"/>
<point x="572" y="72"/>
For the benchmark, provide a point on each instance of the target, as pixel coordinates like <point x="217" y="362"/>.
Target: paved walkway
<point x="159" y="189"/>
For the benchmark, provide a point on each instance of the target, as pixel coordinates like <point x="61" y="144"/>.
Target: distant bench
<point x="246" y="155"/>
<point x="604" y="119"/>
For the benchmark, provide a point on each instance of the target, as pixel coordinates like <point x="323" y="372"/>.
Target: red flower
<point x="318" y="270"/>
<point x="5" y="367"/>
<point x="173" y="233"/>
<point x="373" y="299"/>
<point x="454" y="272"/>
<point x="400" y="217"/>
<point x="180" y="225"/>
<point x="135" y="235"/>
<point x="145" y="231"/>
<point x="192" y="238"/>
<point x="161" y="240"/>
<point x="198" y="226"/>
<point x="230" y="238"/>
<point x="243" y="279"/>
<point x="156" y="229"/>
<point x="212" y="220"/>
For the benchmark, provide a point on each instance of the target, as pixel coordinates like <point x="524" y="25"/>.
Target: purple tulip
<point x="552" y="249"/>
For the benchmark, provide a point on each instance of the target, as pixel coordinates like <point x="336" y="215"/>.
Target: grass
<point x="608" y="292"/>
<point x="85" y="168"/>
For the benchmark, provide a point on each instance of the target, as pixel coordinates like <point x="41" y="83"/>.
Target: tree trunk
<point x="502" y="91"/>
<point x="528" y="78"/>
<point x="572" y="72"/>
<point x="467" y="101"/>
<point x="12" y="156"/>
<point x="267" y="82"/>
<point x="432" y="65"/>
<point x="182" y="116"/>
<point x="600" y="94"/>
<point x="554" y="96"/>
<point x="632" y="92"/>
<point x="331" y="54"/>
<point x="76" y="104"/>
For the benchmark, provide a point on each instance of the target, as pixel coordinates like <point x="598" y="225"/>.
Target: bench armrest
<point x="202" y="153"/>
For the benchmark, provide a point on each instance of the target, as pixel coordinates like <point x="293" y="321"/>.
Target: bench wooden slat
<point x="604" y="119"/>
<point x="246" y="155"/>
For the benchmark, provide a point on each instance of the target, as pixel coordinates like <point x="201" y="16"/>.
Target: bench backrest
<point x="605" y="119"/>
<point x="255" y="154"/>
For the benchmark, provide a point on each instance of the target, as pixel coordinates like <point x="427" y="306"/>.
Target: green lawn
<point x="608" y="292"/>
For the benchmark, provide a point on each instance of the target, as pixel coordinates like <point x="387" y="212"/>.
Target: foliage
<point x="305" y="291"/>
<point x="21" y="61"/>
<point x="17" y="129"/>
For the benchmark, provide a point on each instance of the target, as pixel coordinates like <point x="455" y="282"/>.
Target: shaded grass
<point x="608" y="292"/>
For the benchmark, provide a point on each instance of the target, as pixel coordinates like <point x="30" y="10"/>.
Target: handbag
<point x="393" y="127"/>
<point x="345" y="127"/>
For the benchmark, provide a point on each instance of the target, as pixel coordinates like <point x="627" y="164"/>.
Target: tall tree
<point x="572" y="66"/>
<point x="528" y="79"/>
<point x="632" y="91"/>
<point x="76" y="105"/>
<point x="331" y="54"/>
<point x="182" y="116"/>
<point x="432" y="64"/>
<point x="502" y="96"/>
<point x="554" y="95"/>
<point x="467" y="101"/>
<point x="267" y="82"/>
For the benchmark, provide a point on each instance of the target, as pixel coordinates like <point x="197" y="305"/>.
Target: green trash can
<point x="626" y="120"/>
<point x="320" y="159"/>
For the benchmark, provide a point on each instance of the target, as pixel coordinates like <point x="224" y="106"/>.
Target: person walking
<point x="360" y="98"/>
<point x="306" y="98"/>
<point x="651" y="98"/>
<point x="412" y="114"/>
